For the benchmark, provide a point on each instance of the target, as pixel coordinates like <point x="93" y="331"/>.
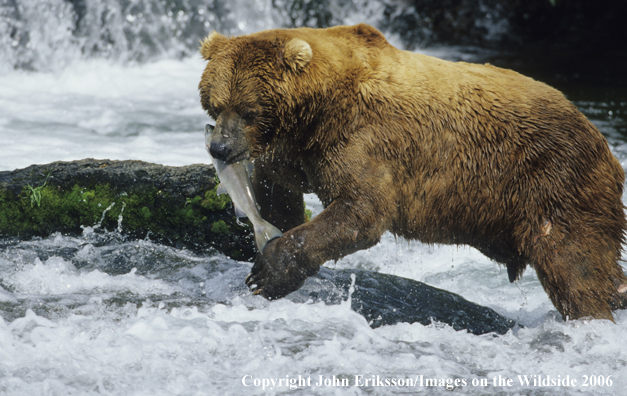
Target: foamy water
<point x="177" y="323"/>
<point x="100" y="109"/>
<point x="97" y="314"/>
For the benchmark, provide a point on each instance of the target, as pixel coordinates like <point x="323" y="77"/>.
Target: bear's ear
<point x="297" y="54"/>
<point x="370" y="35"/>
<point x="210" y="44"/>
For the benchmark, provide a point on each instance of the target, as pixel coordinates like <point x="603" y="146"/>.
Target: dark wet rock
<point x="173" y="205"/>
<point x="387" y="299"/>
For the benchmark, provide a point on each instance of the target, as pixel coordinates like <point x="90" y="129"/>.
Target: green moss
<point x="65" y="210"/>
<point x="55" y="208"/>
<point x="213" y="201"/>
<point x="219" y="227"/>
<point x="88" y="195"/>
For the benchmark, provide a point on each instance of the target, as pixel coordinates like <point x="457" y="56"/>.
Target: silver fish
<point x="235" y="179"/>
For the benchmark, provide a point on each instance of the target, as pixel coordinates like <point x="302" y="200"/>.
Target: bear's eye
<point x="250" y="114"/>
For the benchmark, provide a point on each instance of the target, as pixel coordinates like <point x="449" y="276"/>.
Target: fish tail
<point x="264" y="233"/>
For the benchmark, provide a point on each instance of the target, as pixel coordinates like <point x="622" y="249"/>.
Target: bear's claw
<point x="277" y="271"/>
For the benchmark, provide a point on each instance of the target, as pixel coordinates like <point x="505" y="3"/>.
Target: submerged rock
<point x="387" y="299"/>
<point x="173" y="205"/>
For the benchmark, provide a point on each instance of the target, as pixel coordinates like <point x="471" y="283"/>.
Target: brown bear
<point x="442" y="152"/>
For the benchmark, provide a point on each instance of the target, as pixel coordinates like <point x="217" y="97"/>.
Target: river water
<point x="99" y="315"/>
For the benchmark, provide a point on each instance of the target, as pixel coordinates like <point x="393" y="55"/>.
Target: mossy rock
<point x="173" y="205"/>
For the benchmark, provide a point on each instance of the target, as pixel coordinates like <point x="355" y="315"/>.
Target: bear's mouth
<point x="244" y="155"/>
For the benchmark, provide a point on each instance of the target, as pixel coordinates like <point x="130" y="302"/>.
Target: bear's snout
<point x="220" y="151"/>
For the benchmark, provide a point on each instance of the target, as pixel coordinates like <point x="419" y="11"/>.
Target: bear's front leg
<point x="342" y="228"/>
<point x="283" y="207"/>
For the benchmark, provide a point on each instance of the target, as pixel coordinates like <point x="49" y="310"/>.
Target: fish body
<point x="235" y="179"/>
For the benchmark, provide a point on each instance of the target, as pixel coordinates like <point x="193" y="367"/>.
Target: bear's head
<point x="242" y="85"/>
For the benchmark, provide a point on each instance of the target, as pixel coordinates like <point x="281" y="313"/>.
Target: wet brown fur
<point x="442" y="152"/>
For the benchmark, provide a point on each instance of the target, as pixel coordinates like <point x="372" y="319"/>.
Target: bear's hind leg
<point x="579" y="270"/>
